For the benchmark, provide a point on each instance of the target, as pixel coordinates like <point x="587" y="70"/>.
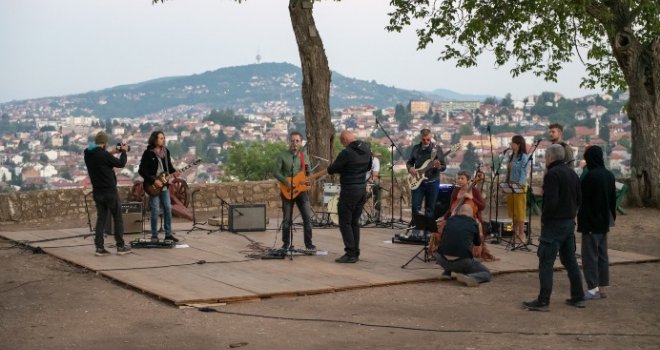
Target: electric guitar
<point x="164" y="177"/>
<point x="414" y="181"/>
<point x="300" y="184"/>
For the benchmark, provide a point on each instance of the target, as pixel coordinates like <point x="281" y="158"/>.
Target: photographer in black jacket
<point x="352" y="164"/>
<point x="100" y="166"/>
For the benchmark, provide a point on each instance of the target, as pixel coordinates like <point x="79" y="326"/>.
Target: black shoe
<point x="101" y="252"/>
<point x="310" y="247"/>
<point x="124" y="250"/>
<point x="536" y="305"/>
<point x="578" y="303"/>
<point x="286" y="246"/>
<point x="171" y="238"/>
<point x="347" y="259"/>
<point x="446" y="276"/>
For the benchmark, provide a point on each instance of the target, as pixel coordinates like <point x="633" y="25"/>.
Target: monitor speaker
<point x="132" y="216"/>
<point x="247" y="217"/>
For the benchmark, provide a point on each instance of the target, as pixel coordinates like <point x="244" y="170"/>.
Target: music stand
<point x="423" y="222"/>
<point x="513" y="188"/>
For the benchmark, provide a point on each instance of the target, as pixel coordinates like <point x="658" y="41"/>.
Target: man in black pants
<point x="597" y="213"/>
<point x="352" y="164"/>
<point x="455" y="250"/>
<point x="100" y="164"/>
<point x="561" y="198"/>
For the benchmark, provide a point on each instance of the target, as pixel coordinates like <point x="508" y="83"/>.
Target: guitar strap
<point x="302" y="162"/>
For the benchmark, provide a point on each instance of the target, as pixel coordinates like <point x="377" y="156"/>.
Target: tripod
<point x="393" y="146"/>
<point x="197" y="226"/>
<point x="426" y="224"/>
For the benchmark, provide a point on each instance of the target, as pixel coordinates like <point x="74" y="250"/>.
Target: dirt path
<point x="47" y="304"/>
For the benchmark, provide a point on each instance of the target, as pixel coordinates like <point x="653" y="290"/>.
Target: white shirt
<point x="375" y="167"/>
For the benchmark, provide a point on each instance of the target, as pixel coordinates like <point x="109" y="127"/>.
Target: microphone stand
<point x="392" y="179"/>
<point x="496" y="179"/>
<point x="530" y="195"/>
<point x="197" y="225"/>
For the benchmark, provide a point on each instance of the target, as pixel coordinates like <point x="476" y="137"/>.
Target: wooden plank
<point x="229" y="277"/>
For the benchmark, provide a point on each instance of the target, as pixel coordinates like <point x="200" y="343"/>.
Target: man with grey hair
<point x="424" y="165"/>
<point x="561" y="199"/>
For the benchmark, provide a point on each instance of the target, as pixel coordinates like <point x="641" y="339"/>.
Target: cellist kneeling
<point x="461" y="233"/>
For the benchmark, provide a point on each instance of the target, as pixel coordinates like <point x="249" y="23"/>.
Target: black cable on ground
<point x="419" y="329"/>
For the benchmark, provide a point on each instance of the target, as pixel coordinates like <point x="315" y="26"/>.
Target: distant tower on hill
<point x="258" y="57"/>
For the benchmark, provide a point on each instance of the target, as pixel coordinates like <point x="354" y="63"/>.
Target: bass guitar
<point x="300" y="182"/>
<point x="414" y="181"/>
<point x="164" y="178"/>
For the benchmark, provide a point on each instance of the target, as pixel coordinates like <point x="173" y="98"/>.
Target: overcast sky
<point x="59" y="47"/>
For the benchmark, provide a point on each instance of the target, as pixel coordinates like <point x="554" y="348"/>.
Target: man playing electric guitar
<point x="289" y="166"/>
<point x="427" y="191"/>
<point x="156" y="160"/>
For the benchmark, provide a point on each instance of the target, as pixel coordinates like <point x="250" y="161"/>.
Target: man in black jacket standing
<point x="561" y="199"/>
<point x="597" y="213"/>
<point x="100" y="164"/>
<point x="352" y="164"/>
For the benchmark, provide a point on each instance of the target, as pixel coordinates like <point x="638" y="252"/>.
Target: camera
<point x="118" y="147"/>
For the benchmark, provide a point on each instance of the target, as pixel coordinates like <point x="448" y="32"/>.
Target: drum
<point x="329" y="191"/>
<point x="332" y="209"/>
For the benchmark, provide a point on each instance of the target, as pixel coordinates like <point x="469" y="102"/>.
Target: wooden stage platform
<point x="214" y="268"/>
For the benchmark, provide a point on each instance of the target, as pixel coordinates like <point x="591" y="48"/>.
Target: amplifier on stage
<point x="132" y="215"/>
<point x="247" y="217"/>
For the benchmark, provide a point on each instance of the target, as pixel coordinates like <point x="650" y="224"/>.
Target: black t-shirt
<point x="461" y="232"/>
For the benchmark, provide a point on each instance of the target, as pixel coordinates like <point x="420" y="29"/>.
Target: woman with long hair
<point x="517" y="174"/>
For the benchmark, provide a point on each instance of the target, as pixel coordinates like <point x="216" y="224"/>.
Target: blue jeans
<point x="559" y="237"/>
<point x="154" y="204"/>
<point x="302" y="202"/>
<point x="427" y="192"/>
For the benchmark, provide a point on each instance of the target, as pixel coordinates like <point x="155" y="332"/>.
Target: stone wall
<point x="60" y="205"/>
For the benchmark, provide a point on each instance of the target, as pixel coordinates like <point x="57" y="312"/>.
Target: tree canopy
<point x="538" y="36"/>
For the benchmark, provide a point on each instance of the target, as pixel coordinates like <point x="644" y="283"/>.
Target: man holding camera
<point x="156" y="160"/>
<point x="100" y="166"/>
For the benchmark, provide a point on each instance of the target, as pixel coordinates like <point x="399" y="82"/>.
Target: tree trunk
<point x="315" y="85"/>
<point x="640" y="64"/>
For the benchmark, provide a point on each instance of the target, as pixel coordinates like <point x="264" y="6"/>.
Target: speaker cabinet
<point x="247" y="217"/>
<point x="131" y="213"/>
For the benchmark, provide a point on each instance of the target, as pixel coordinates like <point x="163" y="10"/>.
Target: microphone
<point x="507" y="150"/>
<point x="538" y="141"/>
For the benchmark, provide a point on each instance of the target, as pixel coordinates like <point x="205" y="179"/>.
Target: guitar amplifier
<point x="132" y="216"/>
<point x="247" y="217"/>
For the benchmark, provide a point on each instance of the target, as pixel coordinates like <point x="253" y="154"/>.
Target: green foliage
<point x="226" y="117"/>
<point x="470" y="159"/>
<point x="252" y="161"/>
<point x="507" y="101"/>
<point x="47" y="128"/>
<point x="466" y="130"/>
<point x="536" y="36"/>
<point x="491" y="101"/>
